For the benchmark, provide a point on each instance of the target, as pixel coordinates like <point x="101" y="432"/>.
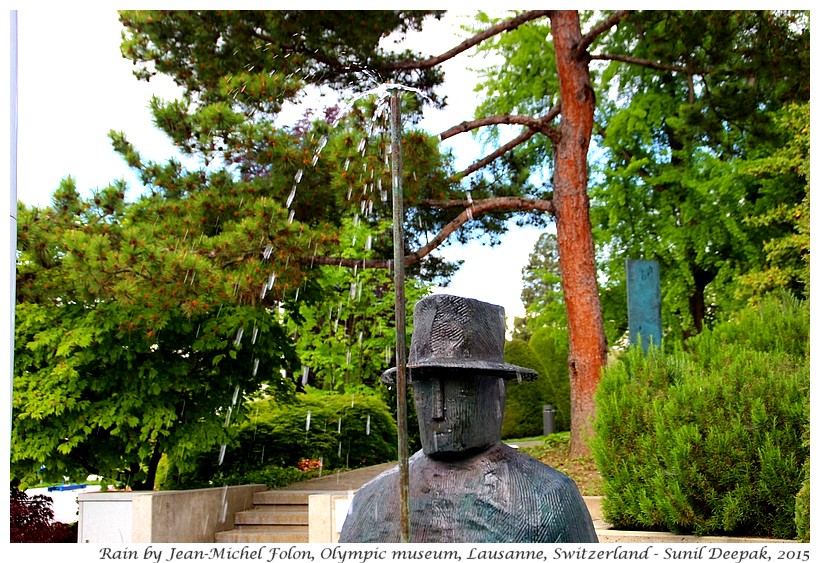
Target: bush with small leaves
<point x="709" y="440"/>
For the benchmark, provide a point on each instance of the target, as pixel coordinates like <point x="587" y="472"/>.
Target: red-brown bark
<point x="587" y="349"/>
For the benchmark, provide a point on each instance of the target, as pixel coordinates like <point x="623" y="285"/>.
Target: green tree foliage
<point x="546" y="352"/>
<point x="349" y="337"/>
<point x="786" y="262"/>
<point x="141" y="325"/>
<point x="684" y="116"/>
<point x="135" y="333"/>
<point x="541" y="293"/>
<point x="687" y="105"/>
<point x="710" y="441"/>
<point x="238" y="69"/>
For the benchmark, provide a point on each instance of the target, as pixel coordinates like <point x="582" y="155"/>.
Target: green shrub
<point x="803" y="500"/>
<point x="269" y="446"/>
<point x="546" y="352"/>
<point x="344" y="431"/>
<point x="708" y="441"/>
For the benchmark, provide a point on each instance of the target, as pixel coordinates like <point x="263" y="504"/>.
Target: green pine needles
<point x="710" y="440"/>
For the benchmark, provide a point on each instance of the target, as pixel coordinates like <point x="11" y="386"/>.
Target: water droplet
<point x="228" y="417"/>
<point x="271" y="280"/>
<point x="339" y="429"/>
<point x="235" y="395"/>
<point x="348" y="356"/>
<point x="353" y="290"/>
<point x="239" y="334"/>
<point x="340" y="449"/>
<point x="255" y="334"/>
<point x="291" y="196"/>
<point x="305" y="373"/>
<point x="470" y="213"/>
<point x="367" y="428"/>
<point x="307" y="422"/>
<point x="362" y="142"/>
<point x="369" y="242"/>
<point x="222" y="453"/>
<point x="347" y="164"/>
<point x="268" y="250"/>
<point x="224" y="512"/>
<point x="291" y="215"/>
<point x="255" y="366"/>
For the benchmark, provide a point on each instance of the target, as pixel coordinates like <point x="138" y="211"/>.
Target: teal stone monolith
<point x="643" y="302"/>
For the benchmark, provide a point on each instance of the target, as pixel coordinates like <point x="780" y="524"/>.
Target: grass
<point x="554" y="451"/>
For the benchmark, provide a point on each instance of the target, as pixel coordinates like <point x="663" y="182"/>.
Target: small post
<point x="398" y="277"/>
<point x="549" y="420"/>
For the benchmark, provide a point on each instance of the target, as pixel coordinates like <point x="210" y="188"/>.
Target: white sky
<point x="74" y="86"/>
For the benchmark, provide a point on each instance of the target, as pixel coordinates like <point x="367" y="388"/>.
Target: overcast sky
<point x="74" y="86"/>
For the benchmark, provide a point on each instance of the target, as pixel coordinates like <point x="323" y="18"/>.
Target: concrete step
<point x="266" y="515"/>
<point x="282" y="497"/>
<point x="266" y="536"/>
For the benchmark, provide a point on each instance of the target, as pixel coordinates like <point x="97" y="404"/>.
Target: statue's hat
<point x="456" y="334"/>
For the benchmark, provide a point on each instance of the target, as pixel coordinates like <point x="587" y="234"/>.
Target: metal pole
<point x="13" y="190"/>
<point x="401" y="330"/>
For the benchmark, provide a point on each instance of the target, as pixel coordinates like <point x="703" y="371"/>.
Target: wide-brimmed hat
<point x="455" y="334"/>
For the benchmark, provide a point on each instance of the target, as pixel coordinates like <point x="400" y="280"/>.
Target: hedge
<point x="709" y="440"/>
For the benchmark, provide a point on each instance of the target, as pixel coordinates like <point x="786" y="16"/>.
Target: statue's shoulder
<point x="537" y="473"/>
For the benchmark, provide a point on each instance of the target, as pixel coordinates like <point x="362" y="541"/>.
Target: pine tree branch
<point x="471" y="211"/>
<point x="642" y="62"/>
<point x="540" y="124"/>
<point x="598" y="30"/>
<point x="481" y="163"/>
<point x="506" y="25"/>
<point x="533" y="124"/>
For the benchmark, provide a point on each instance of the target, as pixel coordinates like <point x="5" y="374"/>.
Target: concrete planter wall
<point x="193" y="516"/>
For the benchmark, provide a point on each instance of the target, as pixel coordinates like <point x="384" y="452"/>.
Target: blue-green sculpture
<point x="466" y="486"/>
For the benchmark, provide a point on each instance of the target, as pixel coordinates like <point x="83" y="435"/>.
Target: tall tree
<point x="680" y="113"/>
<point x="149" y="43"/>
<point x="541" y="293"/>
<point x="699" y="120"/>
<point x="131" y="339"/>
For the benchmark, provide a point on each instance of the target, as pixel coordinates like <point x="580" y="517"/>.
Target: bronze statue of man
<point x="466" y="486"/>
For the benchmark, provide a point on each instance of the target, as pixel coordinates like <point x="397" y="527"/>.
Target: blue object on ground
<point x="65" y="487"/>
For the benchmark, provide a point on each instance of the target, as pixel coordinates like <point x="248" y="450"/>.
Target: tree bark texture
<point x="587" y="340"/>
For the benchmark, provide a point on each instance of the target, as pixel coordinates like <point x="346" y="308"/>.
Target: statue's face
<point x="459" y="415"/>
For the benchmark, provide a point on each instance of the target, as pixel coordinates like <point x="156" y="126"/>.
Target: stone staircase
<point x="279" y="516"/>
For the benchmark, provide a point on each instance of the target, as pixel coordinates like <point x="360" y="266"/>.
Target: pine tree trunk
<point x="587" y="341"/>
